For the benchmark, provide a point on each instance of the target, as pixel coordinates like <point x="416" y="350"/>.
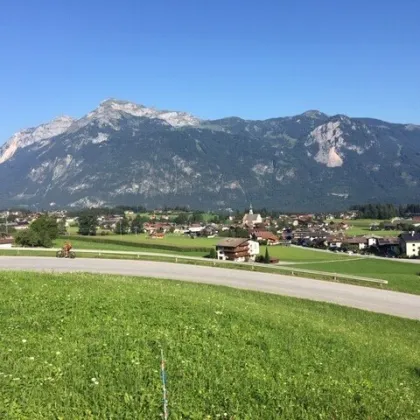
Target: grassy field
<point x="361" y="227"/>
<point x="287" y="254"/>
<point x="82" y="346"/>
<point x="171" y="239"/>
<point x="113" y="247"/>
<point x="403" y="277"/>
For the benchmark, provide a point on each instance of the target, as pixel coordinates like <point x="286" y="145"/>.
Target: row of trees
<point x="385" y="211"/>
<point x="88" y="224"/>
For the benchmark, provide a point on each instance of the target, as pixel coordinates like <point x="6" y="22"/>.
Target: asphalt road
<point x="375" y="300"/>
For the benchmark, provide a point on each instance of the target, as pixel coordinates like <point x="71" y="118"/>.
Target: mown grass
<point x="103" y="245"/>
<point x="294" y="254"/>
<point x="402" y="277"/>
<point x="84" y="346"/>
<point x="359" y="231"/>
<point x="170" y="239"/>
<point x="287" y="254"/>
<point x="361" y="227"/>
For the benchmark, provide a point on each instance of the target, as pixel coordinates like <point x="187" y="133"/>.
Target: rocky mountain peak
<point x="315" y="114"/>
<point x="29" y="136"/>
<point x="124" y="153"/>
<point x="113" y="109"/>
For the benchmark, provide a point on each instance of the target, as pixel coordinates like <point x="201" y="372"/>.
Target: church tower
<point x="250" y="209"/>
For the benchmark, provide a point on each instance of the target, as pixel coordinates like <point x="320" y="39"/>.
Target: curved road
<point x="375" y="300"/>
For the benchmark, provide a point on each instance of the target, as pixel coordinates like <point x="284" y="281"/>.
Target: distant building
<point x="237" y="249"/>
<point x="250" y="219"/>
<point x="410" y="243"/>
<point x="6" y="242"/>
<point x="263" y="235"/>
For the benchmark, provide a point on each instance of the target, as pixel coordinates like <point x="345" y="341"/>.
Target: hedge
<point x="151" y="245"/>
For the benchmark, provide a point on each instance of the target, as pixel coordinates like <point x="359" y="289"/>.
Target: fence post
<point x="176" y="259"/>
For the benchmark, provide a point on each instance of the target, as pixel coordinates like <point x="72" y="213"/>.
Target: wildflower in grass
<point x="95" y="381"/>
<point x="32" y="358"/>
<point x="218" y="312"/>
<point x="24" y="341"/>
<point x="57" y="353"/>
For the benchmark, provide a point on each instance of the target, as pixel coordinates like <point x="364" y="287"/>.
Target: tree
<point x="197" y="217"/>
<point x="122" y="226"/>
<point x="137" y="224"/>
<point x="181" y="219"/>
<point x="62" y="229"/>
<point x="267" y="256"/>
<point x="45" y="225"/>
<point x="213" y="253"/>
<point x="88" y="222"/>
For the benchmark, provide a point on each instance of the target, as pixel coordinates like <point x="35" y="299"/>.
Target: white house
<point x="237" y="249"/>
<point x="372" y="240"/>
<point x="410" y="243"/>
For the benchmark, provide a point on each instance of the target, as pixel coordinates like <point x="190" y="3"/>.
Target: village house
<point x="360" y="241"/>
<point x="250" y="219"/>
<point x="334" y="242"/>
<point x="156" y="227"/>
<point x="195" y="229"/>
<point x="237" y="249"/>
<point x="410" y="243"/>
<point x="263" y="235"/>
<point x="6" y="242"/>
<point x="308" y="234"/>
<point x="389" y="246"/>
<point x="372" y="240"/>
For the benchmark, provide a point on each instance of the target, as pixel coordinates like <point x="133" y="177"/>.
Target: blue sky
<point x="254" y="59"/>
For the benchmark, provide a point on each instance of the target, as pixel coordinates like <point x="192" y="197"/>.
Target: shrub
<point x="31" y="238"/>
<point x="260" y="259"/>
<point x="213" y="253"/>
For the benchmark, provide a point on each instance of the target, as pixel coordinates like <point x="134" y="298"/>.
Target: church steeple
<point x="250" y="209"/>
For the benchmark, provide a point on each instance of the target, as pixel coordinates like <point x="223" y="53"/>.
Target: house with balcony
<point x="237" y="249"/>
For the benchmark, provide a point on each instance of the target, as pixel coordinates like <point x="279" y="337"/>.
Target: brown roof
<point x="232" y="242"/>
<point x="356" y="240"/>
<point x="264" y="234"/>
<point x="388" y="241"/>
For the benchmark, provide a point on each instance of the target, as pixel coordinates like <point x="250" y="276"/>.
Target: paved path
<point x="383" y="301"/>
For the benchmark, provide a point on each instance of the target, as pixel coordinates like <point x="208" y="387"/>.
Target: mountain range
<point x="124" y="153"/>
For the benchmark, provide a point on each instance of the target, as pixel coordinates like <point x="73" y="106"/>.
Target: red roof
<point x="266" y="235"/>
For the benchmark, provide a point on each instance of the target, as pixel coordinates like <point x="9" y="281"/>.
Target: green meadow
<point x="88" y="347"/>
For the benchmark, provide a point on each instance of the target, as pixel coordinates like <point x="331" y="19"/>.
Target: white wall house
<point x="410" y="244"/>
<point x="237" y="249"/>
